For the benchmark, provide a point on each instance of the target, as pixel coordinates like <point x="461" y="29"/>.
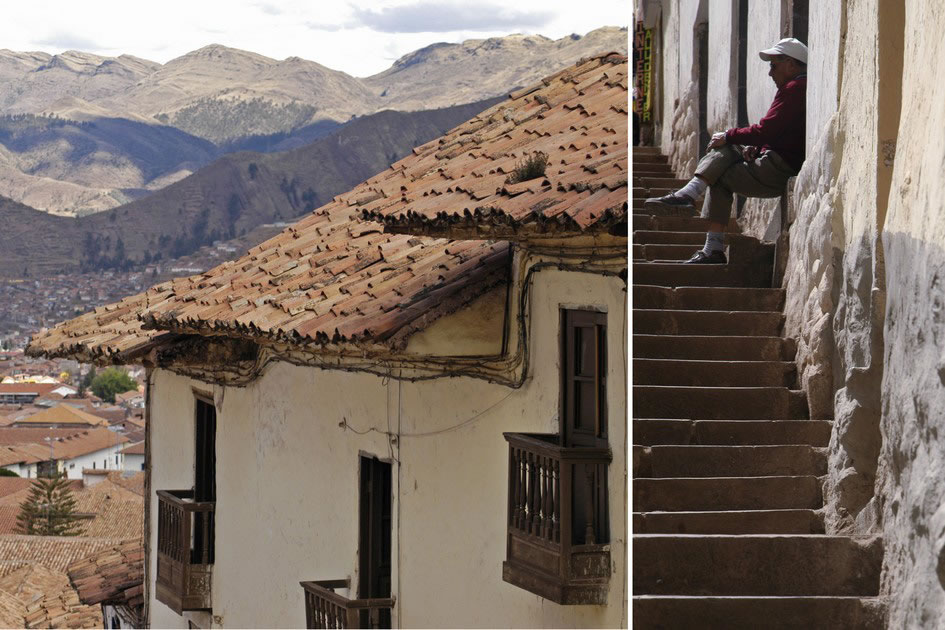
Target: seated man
<point x="771" y="152"/>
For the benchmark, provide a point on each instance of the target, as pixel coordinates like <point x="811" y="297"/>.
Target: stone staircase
<point x="726" y="462"/>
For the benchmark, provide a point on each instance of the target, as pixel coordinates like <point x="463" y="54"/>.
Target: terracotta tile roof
<point x="52" y="552"/>
<point x="119" y="512"/>
<point x="129" y="480"/>
<point x="10" y="436"/>
<point x="12" y="611"/>
<point x="114" y="576"/>
<point x="85" y="442"/>
<point x="109" y="334"/>
<point x="134" y="449"/>
<point x="21" y="454"/>
<point x="12" y="485"/>
<point x="49" y="599"/>
<point x="457" y="185"/>
<point x="40" y="389"/>
<point x="332" y="278"/>
<point x="63" y="414"/>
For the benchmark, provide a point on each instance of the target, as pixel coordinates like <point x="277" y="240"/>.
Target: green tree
<point x="86" y="380"/>
<point x="110" y="382"/>
<point x="49" y="510"/>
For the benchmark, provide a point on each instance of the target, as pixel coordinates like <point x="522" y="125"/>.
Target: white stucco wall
<point x="132" y="462"/>
<point x="764" y="30"/>
<point x="103" y="459"/>
<point x="722" y="94"/>
<point x="287" y="480"/>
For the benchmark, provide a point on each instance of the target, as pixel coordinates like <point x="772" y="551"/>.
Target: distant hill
<point x="157" y="123"/>
<point x="225" y="199"/>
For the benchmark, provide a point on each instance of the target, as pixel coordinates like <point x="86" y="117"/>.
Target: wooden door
<point x="374" y="548"/>
<point x="205" y="475"/>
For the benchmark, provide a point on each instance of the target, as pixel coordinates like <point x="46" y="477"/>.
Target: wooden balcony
<point x="324" y="608"/>
<point x="558" y="526"/>
<point x="185" y="551"/>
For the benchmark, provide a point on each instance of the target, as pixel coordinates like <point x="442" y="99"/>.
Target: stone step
<point x="646" y="221"/>
<point x="713" y="348"/>
<point x="664" y="252"/>
<point x="679" y="275"/>
<point x="670" y="183"/>
<point x="729" y="522"/>
<point x="708" y="298"/>
<point x="783" y="460"/>
<point x="645" y="150"/>
<point x="680" y="612"/>
<point x="648" y="158"/>
<point x="655" y="237"/>
<point x="651" y="431"/>
<point x="712" y="494"/>
<point x="681" y="564"/>
<point x="663" y="321"/>
<point x="660" y="171"/>
<point x="719" y="403"/>
<point x="714" y="373"/>
<point x="682" y="211"/>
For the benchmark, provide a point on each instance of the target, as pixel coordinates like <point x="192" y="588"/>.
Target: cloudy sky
<point x="358" y="36"/>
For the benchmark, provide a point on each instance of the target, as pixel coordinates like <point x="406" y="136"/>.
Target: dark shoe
<point x="701" y="258"/>
<point x="669" y="202"/>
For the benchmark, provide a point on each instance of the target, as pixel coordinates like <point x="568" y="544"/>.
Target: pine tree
<point x="49" y="510"/>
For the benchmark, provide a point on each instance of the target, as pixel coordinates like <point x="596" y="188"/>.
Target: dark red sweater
<point x="783" y="128"/>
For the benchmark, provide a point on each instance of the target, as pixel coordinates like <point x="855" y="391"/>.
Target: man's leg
<point x="709" y="169"/>
<point x="762" y="177"/>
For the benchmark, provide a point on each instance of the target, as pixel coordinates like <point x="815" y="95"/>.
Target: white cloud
<point x="359" y="37"/>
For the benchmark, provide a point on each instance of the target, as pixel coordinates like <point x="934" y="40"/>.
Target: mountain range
<point x="144" y="161"/>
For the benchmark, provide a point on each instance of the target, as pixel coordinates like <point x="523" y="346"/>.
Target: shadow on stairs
<point x="728" y="530"/>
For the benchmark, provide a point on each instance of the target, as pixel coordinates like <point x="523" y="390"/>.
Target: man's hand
<point x="750" y="152"/>
<point x="718" y="140"/>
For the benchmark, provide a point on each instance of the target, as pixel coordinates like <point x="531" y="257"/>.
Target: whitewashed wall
<point x="287" y="481"/>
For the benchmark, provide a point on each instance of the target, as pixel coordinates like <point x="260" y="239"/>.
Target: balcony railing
<point x="184" y="551"/>
<point x="557" y="520"/>
<point x="324" y="608"/>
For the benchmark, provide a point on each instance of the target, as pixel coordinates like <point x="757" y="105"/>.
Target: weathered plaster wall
<point x="683" y="148"/>
<point x="287" y="479"/>
<point x="723" y="65"/>
<point x="912" y="471"/>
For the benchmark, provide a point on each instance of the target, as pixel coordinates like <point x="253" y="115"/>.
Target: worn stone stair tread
<point x="686" y="494"/>
<point x="736" y="522"/>
<point x="682" y="212"/>
<point x="707" y="322"/>
<point x="662" y="251"/>
<point x="732" y="274"/>
<point x="650" y="222"/>
<point x="708" y="298"/>
<point x="719" y="403"/>
<point x="714" y="347"/>
<point x="755" y="564"/>
<point x="828" y="612"/>
<point x="653" y="431"/>
<point x="708" y="373"/>
<point x="663" y="237"/>
<point x="726" y="460"/>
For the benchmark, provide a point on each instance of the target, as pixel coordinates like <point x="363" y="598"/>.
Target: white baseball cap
<point x="789" y="47"/>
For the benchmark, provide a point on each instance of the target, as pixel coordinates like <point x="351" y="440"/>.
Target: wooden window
<point x="584" y="414"/>
<point x="374" y="548"/>
<point x="584" y="362"/>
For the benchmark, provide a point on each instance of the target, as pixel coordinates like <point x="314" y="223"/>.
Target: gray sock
<point x="694" y="189"/>
<point x="714" y="242"/>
